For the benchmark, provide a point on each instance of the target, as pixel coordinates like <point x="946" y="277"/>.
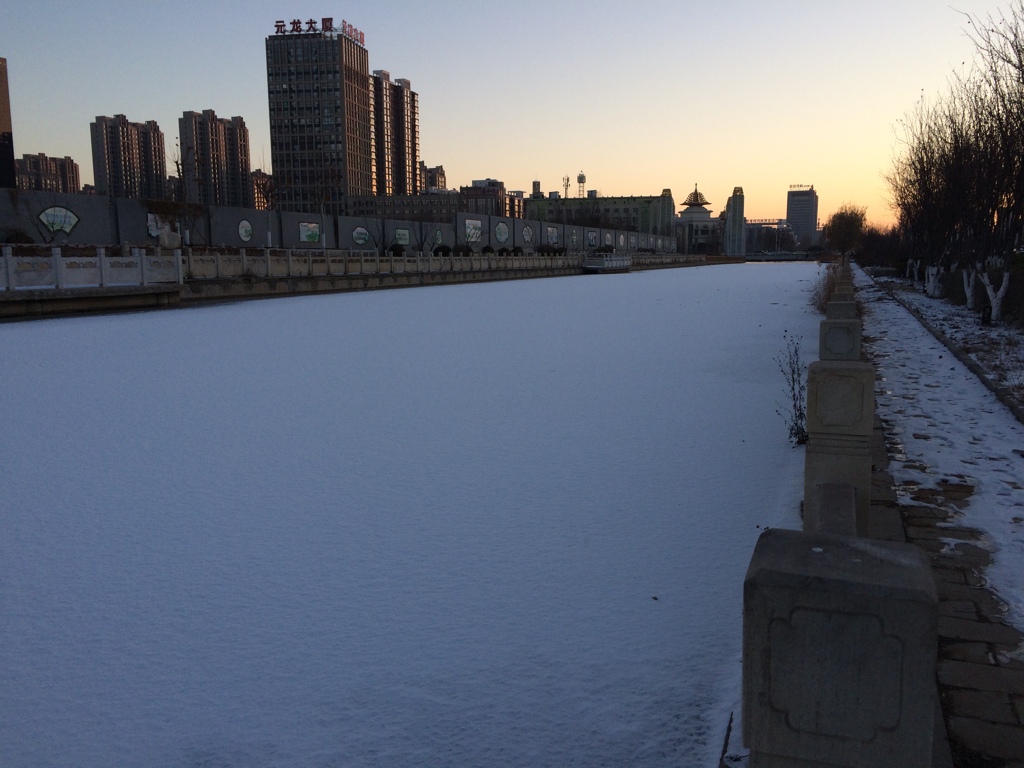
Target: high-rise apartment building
<point x="128" y="159"/>
<point x="436" y="178"/>
<point x="321" y="127"/>
<point x="396" y="121"/>
<point x="734" y="229"/>
<point x="802" y="213"/>
<point x="48" y="174"/>
<point x="215" y="160"/>
<point x="8" y="171"/>
<point x="263" y="191"/>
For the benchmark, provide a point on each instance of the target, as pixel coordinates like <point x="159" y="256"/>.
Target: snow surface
<point x="948" y="422"/>
<point x="400" y="528"/>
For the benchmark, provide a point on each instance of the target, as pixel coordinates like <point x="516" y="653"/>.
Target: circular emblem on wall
<point x="607" y="238"/>
<point x="360" y="236"/>
<point x="622" y="240"/>
<point x="438" y="237"/>
<point x="245" y="231"/>
<point x="501" y="231"/>
<point x="575" y="237"/>
<point x="527" y="234"/>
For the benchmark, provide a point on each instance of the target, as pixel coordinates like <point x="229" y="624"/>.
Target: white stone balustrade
<point x="98" y="270"/>
<point x="839" y="649"/>
<point x="840" y="420"/>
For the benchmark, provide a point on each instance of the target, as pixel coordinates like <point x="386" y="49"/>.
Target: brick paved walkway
<point x="981" y="664"/>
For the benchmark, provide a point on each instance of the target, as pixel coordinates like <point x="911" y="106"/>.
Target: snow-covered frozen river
<point x="501" y="524"/>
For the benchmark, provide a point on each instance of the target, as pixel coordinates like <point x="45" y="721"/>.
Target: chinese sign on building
<point x="298" y="26"/>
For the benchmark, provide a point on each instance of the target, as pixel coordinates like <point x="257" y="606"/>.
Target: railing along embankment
<point x="49" y="280"/>
<point x="839" y="630"/>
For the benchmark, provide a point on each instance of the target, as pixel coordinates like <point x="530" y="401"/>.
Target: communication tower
<point x="582" y="181"/>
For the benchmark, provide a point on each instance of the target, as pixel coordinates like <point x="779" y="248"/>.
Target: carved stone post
<point x="840" y="420"/>
<point x="839" y="340"/>
<point x="839" y="646"/>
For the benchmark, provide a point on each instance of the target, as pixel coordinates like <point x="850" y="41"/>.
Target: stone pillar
<point x="840" y="420"/>
<point x="842" y="292"/>
<point x="839" y="649"/>
<point x="8" y="267"/>
<point x="841" y="310"/>
<point x="101" y="257"/>
<point x="839" y="340"/>
<point x="58" y="267"/>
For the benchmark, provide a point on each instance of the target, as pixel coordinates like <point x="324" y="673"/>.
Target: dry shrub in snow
<point x="823" y="287"/>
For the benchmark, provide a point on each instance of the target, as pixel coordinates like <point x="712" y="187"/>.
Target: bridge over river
<point x="499" y="524"/>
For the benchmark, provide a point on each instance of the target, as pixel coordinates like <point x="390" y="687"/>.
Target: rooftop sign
<point x="298" y="26"/>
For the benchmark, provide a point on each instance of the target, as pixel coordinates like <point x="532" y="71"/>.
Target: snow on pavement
<point x="949" y="425"/>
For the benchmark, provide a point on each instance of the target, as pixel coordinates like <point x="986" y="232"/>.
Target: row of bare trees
<point x="958" y="183"/>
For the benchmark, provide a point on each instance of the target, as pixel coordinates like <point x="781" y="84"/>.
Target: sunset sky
<point x="639" y="96"/>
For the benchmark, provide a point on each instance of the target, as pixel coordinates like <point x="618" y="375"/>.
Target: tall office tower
<point x="128" y="159"/>
<point x="802" y="213"/>
<point x="321" y="128"/>
<point x="215" y="160"/>
<point x="396" y="122"/>
<point x="734" y="236"/>
<point x="8" y="170"/>
<point x="48" y="174"/>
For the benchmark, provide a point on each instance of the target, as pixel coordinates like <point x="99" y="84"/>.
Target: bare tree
<point x="845" y="228"/>
<point x="958" y="182"/>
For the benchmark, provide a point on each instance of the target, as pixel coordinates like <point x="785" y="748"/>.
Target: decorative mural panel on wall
<point x="245" y="231"/>
<point x="360" y="236"/>
<point x="501" y="232"/>
<point x="156" y="224"/>
<point x="58" y="219"/>
<point x="402" y="237"/>
<point x="309" y="232"/>
<point x="528" y="234"/>
<point x="552" y="235"/>
<point x="474" y="230"/>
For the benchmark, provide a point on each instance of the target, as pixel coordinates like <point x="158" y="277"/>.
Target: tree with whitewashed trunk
<point x="958" y="181"/>
<point x="970" y="278"/>
<point x="996" y="294"/>
<point x="933" y="281"/>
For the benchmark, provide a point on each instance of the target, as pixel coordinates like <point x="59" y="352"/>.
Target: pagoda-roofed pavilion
<point x="696" y="232"/>
<point x="696" y="198"/>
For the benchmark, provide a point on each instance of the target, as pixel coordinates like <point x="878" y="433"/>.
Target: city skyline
<point x="668" y="96"/>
